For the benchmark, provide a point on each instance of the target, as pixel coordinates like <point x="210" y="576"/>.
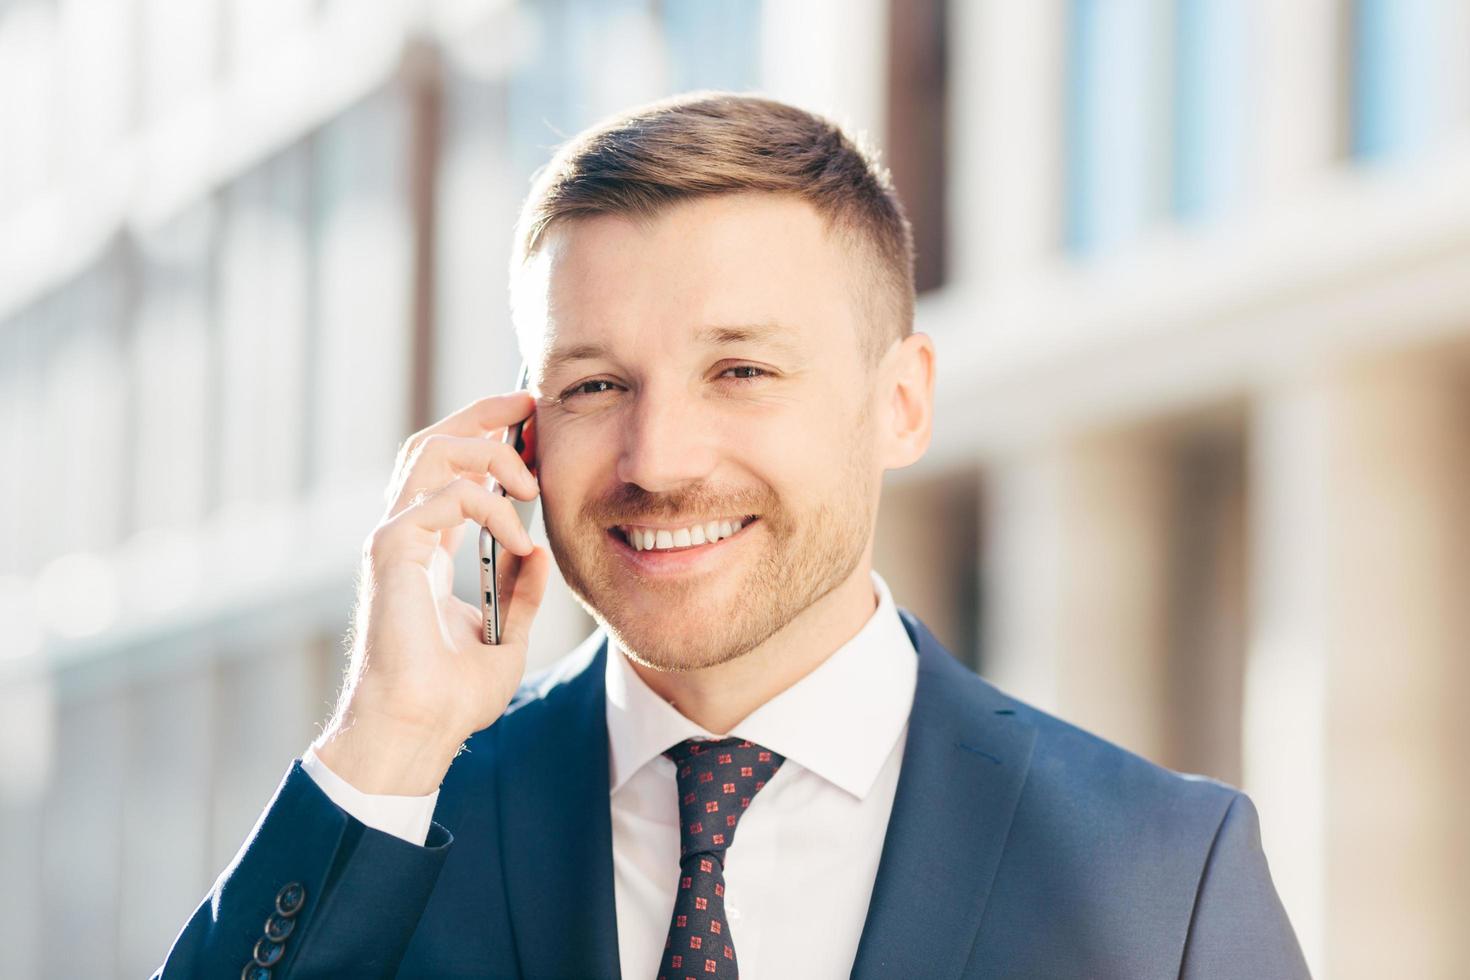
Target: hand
<point x="420" y="680"/>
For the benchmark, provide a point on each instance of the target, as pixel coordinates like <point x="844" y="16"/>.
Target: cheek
<point x="571" y="459"/>
<point x="800" y="449"/>
<point x="810" y="439"/>
<point x="799" y="462"/>
<point x="835" y="460"/>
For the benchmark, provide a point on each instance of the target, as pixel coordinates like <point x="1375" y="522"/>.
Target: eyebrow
<point x="773" y="334"/>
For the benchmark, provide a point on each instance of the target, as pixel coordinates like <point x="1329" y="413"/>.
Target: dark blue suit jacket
<point x="1019" y="846"/>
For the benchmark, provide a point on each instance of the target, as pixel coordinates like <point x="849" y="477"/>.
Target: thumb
<point x="526" y="595"/>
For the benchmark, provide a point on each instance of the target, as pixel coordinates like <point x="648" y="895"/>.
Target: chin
<point x="679" y="651"/>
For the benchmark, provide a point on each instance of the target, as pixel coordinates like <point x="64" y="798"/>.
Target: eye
<point x="594" y="387"/>
<point x="601" y="385"/>
<point x="746" y="372"/>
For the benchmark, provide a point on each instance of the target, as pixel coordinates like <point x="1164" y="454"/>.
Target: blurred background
<point x="1198" y="272"/>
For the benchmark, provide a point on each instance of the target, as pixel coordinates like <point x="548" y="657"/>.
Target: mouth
<point x="675" y="553"/>
<point x="656" y="538"/>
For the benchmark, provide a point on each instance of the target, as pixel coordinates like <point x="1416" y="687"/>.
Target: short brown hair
<point x="703" y="143"/>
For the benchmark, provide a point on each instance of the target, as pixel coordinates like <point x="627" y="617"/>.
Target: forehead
<point x="720" y="261"/>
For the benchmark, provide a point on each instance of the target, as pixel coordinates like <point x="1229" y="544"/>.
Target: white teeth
<point x="643" y="539"/>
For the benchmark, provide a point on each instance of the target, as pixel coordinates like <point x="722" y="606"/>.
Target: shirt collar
<point x="840" y="721"/>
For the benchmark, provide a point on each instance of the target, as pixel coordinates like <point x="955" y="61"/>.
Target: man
<point x="715" y="294"/>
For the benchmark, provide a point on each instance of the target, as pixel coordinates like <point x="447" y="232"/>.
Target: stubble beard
<point x="803" y="558"/>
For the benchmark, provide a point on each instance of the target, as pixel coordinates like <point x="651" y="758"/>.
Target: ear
<point x="528" y="438"/>
<point x="907" y="390"/>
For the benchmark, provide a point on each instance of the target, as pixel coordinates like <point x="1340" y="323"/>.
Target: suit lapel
<point x="964" y="763"/>
<point x="556" y="826"/>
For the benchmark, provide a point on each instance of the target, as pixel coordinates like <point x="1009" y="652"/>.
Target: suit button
<point x="290" y="898"/>
<point x="254" y="971"/>
<point x="268" y="953"/>
<point x="277" y="928"/>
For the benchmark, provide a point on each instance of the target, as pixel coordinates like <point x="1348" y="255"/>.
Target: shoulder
<point x="1104" y="842"/>
<point x="572" y="683"/>
<point x="1092" y="808"/>
<point x="1147" y="852"/>
<point x="1075" y="774"/>
<point x="582" y="667"/>
<point x="1111" y="835"/>
<point x="1100" y="780"/>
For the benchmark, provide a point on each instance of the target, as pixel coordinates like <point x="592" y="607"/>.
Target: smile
<point x="643" y="537"/>
<point x="666" y="556"/>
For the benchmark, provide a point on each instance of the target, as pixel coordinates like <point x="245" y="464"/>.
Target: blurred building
<point x="1198" y="272"/>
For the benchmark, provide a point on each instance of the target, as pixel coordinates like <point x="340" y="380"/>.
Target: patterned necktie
<point x="717" y="780"/>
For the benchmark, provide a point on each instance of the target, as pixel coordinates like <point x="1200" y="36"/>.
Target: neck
<point x="717" y="698"/>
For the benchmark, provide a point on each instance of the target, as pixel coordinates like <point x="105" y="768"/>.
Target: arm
<point x="420" y="680"/>
<point x="1239" y="928"/>
<point x="360" y="893"/>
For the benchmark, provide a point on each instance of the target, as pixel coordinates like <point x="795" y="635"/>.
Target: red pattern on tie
<point x="699" y="945"/>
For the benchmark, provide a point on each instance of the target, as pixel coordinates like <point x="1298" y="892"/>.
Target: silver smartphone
<point x="499" y="566"/>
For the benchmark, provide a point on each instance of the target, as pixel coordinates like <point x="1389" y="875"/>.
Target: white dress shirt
<point x="800" y="872"/>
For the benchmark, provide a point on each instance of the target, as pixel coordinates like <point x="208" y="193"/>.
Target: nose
<point x="666" y="443"/>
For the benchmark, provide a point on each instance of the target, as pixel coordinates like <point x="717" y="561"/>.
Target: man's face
<point x="702" y="370"/>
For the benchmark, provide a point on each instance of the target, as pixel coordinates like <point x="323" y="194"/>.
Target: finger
<point x="477" y="419"/>
<point x="441" y="458"/>
<point x="413" y="534"/>
<point x="526" y="596"/>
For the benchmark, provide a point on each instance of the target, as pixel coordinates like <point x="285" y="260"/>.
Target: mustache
<point x="630" y="503"/>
